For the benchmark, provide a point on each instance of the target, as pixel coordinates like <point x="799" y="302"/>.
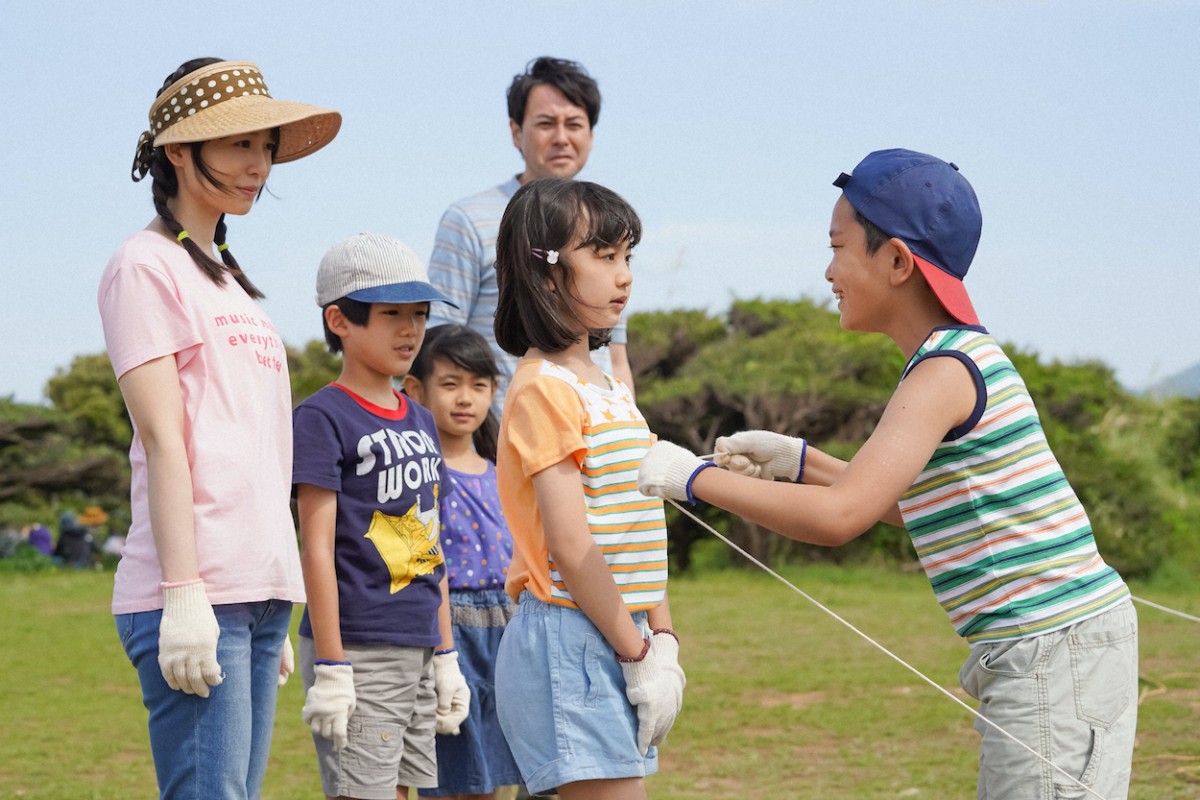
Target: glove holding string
<point x="762" y="454"/>
<point x="668" y="470"/>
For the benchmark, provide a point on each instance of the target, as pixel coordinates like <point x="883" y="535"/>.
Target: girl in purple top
<point x="455" y="377"/>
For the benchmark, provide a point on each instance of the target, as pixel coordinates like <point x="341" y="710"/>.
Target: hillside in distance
<point x="1186" y="383"/>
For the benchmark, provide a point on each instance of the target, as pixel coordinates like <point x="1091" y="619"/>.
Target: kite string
<point x="1164" y="608"/>
<point x="881" y="648"/>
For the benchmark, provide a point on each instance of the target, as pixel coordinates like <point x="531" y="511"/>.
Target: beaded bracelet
<point x="668" y="631"/>
<point x="639" y="657"/>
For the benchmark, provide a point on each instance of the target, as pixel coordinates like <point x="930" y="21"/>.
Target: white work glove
<point x="761" y="454"/>
<point x="287" y="664"/>
<point x="187" y="640"/>
<point x="667" y="471"/>
<point x="652" y="691"/>
<point x="666" y="650"/>
<point x="453" y="694"/>
<point x="330" y="702"/>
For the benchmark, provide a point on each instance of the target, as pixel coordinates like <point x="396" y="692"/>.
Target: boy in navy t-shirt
<point x="376" y="649"/>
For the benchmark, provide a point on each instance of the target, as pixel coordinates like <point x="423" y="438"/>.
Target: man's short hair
<point x="569" y="77"/>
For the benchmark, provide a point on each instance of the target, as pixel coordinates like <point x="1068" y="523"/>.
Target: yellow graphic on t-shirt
<point x="408" y="544"/>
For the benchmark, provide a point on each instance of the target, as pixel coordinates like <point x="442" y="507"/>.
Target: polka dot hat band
<point x="229" y="98"/>
<point x="198" y="91"/>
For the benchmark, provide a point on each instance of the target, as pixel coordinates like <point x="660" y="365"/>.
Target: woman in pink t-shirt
<point x="205" y="585"/>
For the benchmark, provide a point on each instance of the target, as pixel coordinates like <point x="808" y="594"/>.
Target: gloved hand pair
<point x="331" y="699"/>
<point x="668" y="470"/>
<point x="187" y="641"/>
<point x="762" y="454"/>
<point x="654" y="686"/>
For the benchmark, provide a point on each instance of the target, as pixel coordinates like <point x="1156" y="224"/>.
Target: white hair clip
<point x="551" y="256"/>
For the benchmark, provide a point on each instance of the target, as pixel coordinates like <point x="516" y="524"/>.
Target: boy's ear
<point x="902" y="262"/>
<point x="336" y="320"/>
<point x="413" y="388"/>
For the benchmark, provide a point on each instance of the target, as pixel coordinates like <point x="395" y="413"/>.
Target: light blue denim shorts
<point x="560" y="696"/>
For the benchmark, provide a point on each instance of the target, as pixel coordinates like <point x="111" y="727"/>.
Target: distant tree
<point x="48" y="462"/>
<point x="1180" y="422"/>
<point x="311" y="368"/>
<point x="666" y="340"/>
<point x="88" y="393"/>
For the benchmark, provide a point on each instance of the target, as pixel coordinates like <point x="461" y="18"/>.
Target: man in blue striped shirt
<point x="553" y="107"/>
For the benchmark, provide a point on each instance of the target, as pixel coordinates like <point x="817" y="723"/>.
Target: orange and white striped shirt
<point x="551" y="414"/>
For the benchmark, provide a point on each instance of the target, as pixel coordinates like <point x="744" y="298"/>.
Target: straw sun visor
<point x="303" y="129"/>
<point x="230" y="98"/>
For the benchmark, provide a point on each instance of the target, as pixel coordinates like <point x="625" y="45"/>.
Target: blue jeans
<point x="213" y="748"/>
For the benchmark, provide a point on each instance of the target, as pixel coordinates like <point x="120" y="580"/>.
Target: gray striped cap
<point x="373" y="268"/>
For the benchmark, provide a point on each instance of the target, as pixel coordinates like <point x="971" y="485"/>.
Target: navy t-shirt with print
<point x="386" y="466"/>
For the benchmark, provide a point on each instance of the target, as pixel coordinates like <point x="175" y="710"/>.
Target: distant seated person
<point x="10" y="539"/>
<point x="93" y="517"/>
<point x="76" y="545"/>
<point x="41" y="539"/>
<point x="114" y="544"/>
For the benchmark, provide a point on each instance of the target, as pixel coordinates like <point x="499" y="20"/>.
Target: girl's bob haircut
<point x="537" y="305"/>
<point x="467" y="350"/>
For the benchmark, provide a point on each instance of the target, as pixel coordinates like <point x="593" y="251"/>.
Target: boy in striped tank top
<point x="588" y="680"/>
<point x="959" y="458"/>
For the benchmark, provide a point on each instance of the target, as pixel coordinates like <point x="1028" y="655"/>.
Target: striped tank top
<point x="1005" y="542"/>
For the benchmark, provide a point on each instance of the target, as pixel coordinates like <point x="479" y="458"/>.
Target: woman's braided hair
<point x="165" y="185"/>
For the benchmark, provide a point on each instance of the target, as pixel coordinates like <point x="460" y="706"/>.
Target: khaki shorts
<point x="1071" y="695"/>
<point x="391" y="732"/>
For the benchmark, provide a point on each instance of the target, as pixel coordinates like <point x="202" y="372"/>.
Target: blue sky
<point x="723" y="124"/>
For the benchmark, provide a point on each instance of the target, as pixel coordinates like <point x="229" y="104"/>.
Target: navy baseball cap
<point x="927" y="204"/>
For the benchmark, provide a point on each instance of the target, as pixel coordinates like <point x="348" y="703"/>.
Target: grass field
<point x="782" y="701"/>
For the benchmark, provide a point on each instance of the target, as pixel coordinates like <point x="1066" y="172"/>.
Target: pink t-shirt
<point x="154" y="302"/>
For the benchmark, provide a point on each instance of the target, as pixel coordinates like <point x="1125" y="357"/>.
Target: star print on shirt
<point x="408" y="544"/>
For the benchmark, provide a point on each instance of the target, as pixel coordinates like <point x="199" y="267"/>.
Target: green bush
<point x="26" y="559"/>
